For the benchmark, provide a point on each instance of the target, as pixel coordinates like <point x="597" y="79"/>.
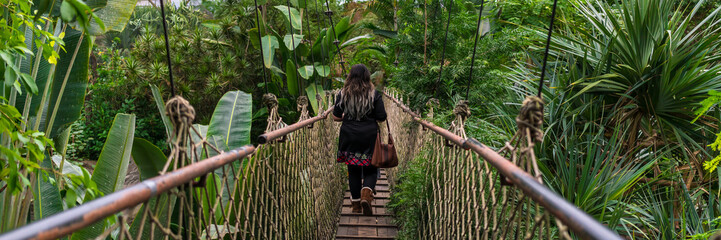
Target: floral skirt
<point x="355" y="159"/>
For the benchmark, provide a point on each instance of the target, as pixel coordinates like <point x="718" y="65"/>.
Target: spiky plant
<point x="651" y="61"/>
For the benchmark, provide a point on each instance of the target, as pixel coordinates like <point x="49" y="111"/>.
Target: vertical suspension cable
<point x="167" y="48"/>
<point x="322" y="48"/>
<point x="548" y="45"/>
<point x="295" y="53"/>
<point x="475" y="43"/>
<point x="443" y="52"/>
<point x="260" y="40"/>
<point x="312" y="57"/>
<point x="329" y="13"/>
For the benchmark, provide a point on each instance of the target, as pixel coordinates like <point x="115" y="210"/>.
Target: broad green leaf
<point x="342" y="27"/>
<point x="61" y="143"/>
<point x="162" y="212"/>
<point x="46" y="196"/>
<point x="270" y="43"/>
<point x="311" y="91"/>
<point x="254" y="39"/>
<point x="298" y="3"/>
<point x="231" y="120"/>
<point x="378" y="31"/>
<point x="97" y="3"/>
<point x="212" y="183"/>
<point x="355" y="40"/>
<point x="68" y="167"/>
<point x="291" y="78"/>
<point x="42" y="6"/>
<point x="203" y="133"/>
<point x="109" y="173"/>
<point x="318" y="45"/>
<point x="277" y="71"/>
<point x="292" y="15"/>
<point x="292" y="43"/>
<point x="148" y="157"/>
<point x="306" y="71"/>
<point x="68" y="97"/>
<point x="41" y="78"/>
<point x="323" y="70"/>
<point x="67" y="12"/>
<point x="160" y="103"/>
<point x="302" y="50"/>
<point x="114" y="16"/>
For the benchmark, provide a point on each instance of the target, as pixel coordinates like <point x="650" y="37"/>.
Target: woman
<point x="360" y="107"/>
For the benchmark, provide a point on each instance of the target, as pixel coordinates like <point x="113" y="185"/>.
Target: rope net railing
<point x="472" y="192"/>
<point x="287" y="188"/>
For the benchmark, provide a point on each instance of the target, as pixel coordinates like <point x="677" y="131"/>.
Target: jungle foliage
<point x="624" y="81"/>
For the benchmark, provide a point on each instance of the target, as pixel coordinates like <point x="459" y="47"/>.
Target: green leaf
<point x="355" y="40"/>
<point x="380" y="32"/>
<point x="291" y="78"/>
<point x="40" y="81"/>
<point x="162" y="212"/>
<point x="68" y="97"/>
<point x="96" y="3"/>
<point x="149" y="158"/>
<point x="231" y="119"/>
<point x="302" y="50"/>
<point x="46" y="196"/>
<point x="109" y="173"/>
<point x="306" y="71"/>
<point x="270" y="43"/>
<point x="311" y="91"/>
<point x="42" y="6"/>
<point x="160" y="103"/>
<point x="342" y="27"/>
<point x="298" y="3"/>
<point x="67" y="12"/>
<point x="292" y="43"/>
<point x="114" y="16"/>
<point x="253" y="36"/>
<point x="323" y="70"/>
<point x="293" y="16"/>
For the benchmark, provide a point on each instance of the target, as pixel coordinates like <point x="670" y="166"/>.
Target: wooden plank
<point x="379" y="226"/>
<point x="379" y="195"/>
<point x="380" y="202"/>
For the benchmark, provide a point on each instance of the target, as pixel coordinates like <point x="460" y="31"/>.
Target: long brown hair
<point x="357" y="94"/>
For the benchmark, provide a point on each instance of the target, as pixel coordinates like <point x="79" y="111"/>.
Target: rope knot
<point x="462" y="110"/>
<point x="180" y="112"/>
<point x="302" y="103"/>
<point x="433" y="103"/>
<point x="531" y="117"/>
<point x="269" y="100"/>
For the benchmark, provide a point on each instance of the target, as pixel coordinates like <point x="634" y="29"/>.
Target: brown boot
<point x="355" y="205"/>
<point x="367" y="201"/>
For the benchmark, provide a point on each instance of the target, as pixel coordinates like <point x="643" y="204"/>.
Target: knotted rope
<point x="274" y="120"/>
<point x="530" y="118"/>
<point x="432" y="104"/>
<point x="181" y="115"/>
<point x="303" y="108"/>
<point x="462" y="112"/>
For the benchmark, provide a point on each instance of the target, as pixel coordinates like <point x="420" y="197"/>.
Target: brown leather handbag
<point x="384" y="155"/>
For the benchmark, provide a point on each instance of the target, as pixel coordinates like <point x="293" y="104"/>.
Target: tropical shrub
<point x="45" y="72"/>
<point x="620" y="142"/>
<point x="109" y="93"/>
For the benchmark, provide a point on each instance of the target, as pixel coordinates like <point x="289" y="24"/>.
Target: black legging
<point x="359" y="177"/>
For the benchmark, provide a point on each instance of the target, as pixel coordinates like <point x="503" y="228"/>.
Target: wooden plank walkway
<point x="378" y="226"/>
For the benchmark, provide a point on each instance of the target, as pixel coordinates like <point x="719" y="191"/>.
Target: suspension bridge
<point x="289" y="187"/>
